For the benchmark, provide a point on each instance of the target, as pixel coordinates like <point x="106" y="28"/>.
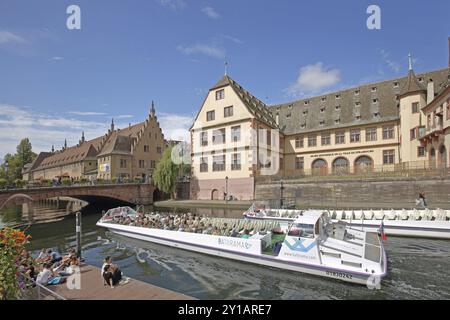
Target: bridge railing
<point x="46" y="184"/>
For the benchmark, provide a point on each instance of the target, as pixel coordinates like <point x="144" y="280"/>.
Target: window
<point x="299" y="163"/>
<point x="220" y="94"/>
<point x="337" y="121"/>
<point x="374" y="89"/>
<point x="421" y="131"/>
<point x="321" y="123"/>
<point x="376" y="114"/>
<point x="141" y="164"/>
<point x="371" y="134"/>
<point x="236" y="161"/>
<point x="357" y="103"/>
<point x="228" y="112"/>
<point x="413" y="133"/>
<point x="395" y="84"/>
<point x="123" y="163"/>
<point x="338" y="96"/>
<point x="340" y="137"/>
<point x="326" y="139"/>
<point x="388" y="156"/>
<point x="448" y="109"/>
<point x="236" y="133"/>
<point x="219" y="163"/>
<point x="303" y="126"/>
<point x="356" y="92"/>
<point x="146" y="148"/>
<point x="312" y="141"/>
<point x="324" y="99"/>
<point x="204" y="138"/>
<point x="355" y="135"/>
<point x="288" y="116"/>
<point x="375" y="100"/>
<point x="337" y="108"/>
<point x="269" y="137"/>
<point x="152" y="164"/>
<point x="305" y="112"/>
<point x="322" y="110"/>
<point x="388" y="132"/>
<point x="299" y="142"/>
<point x="210" y="115"/>
<point x="203" y="164"/>
<point x="415" y="107"/>
<point x="306" y="102"/>
<point x="421" y="151"/>
<point x="158" y="149"/>
<point x="218" y="136"/>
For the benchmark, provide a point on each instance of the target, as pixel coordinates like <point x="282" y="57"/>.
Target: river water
<point x="418" y="268"/>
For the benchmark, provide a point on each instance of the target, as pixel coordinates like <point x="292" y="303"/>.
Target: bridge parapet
<point x="136" y="193"/>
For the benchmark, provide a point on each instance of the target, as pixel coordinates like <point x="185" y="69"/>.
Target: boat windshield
<point x="120" y="211"/>
<point x="301" y="230"/>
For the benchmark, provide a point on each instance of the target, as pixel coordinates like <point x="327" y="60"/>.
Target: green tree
<point x="16" y="162"/>
<point x="166" y="172"/>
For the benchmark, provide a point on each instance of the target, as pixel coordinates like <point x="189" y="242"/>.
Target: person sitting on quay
<point x="48" y="277"/>
<point x="111" y="273"/>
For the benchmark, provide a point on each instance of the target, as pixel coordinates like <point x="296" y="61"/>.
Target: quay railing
<point x="37" y="185"/>
<point x="36" y="291"/>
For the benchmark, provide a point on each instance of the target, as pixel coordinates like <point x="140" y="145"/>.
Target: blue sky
<point x="56" y="82"/>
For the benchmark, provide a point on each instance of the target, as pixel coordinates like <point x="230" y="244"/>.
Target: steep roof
<point x="411" y="84"/>
<point x="366" y="104"/>
<point x="255" y="106"/>
<point x="120" y="140"/>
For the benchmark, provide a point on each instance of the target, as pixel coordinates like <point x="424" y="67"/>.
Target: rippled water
<point x="418" y="268"/>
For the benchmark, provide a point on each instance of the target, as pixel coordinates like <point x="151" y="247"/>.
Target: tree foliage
<point x="24" y="154"/>
<point x="167" y="172"/>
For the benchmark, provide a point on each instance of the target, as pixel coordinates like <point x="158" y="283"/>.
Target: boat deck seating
<point x="403" y="214"/>
<point x="240" y="225"/>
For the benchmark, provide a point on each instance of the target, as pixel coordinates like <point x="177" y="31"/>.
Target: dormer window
<point x="303" y="126"/>
<point x="322" y="110"/>
<point x="357" y="117"/>
<point x="374" y="89"/>
<point x="357" y="104"/>
<point x="321" y="123"/>
<point x="288" y="116"/>
<point x="305" y="112"/>
<point x="290" y="106"/>
<point x="420" y="79"/>
<point x="337" y="121"/>
<point x="306" y="102"/>
<point x="374" y="100"/>
<point x="338" y="96"/>
<point x="357" y="92"/>
<point x="376" y="114"/>
<point x="395" y="84"/>
<point x="324" y="99"/>
<point x="337" y="108"/>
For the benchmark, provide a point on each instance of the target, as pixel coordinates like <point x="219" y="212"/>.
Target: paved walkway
<point x="92" y="288"/>
<point x="233" y="204"/>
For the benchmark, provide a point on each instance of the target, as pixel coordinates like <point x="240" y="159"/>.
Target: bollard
<point x="78" y="233"/>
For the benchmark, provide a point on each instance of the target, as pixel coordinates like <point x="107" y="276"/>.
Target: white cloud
<point x="124" y="116"/>
<point x="87" y="113"/>
<point x="210" y="12"/>
<point x="386" y="56"/>
<point x="9" y="37"/>
<point x="173" y="4"/>
<point x="233" y="39"/>
<point x="57" y="58"/>
<point x="175" y="126"/>
<point x="205" y="49"/>
<point x="313" y="79"/>
<point x="43" y="130"/>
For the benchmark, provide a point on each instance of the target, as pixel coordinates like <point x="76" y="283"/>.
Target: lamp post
<point x="281" y="193"/>
<point x="6" y="171"/>
<point x="226" y="189"/>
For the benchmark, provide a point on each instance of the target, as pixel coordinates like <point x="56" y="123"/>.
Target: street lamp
<point x="281" y="193"/>
<point x="6" y="170"/>
<point x="226" y="189"/>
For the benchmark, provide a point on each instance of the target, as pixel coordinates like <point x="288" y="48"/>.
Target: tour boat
<point x="423" y="223"/>
<point x="312" y="244"/>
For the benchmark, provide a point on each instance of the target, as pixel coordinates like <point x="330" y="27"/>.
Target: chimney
<point x="430" y="91"/>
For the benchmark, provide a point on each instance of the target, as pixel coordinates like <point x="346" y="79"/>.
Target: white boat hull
<point x="416" y="229"/>
<point x="147" y="234"/>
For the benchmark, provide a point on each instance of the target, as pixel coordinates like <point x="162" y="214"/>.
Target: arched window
<point x="319" y="166"/>
<point x="442" y="156"/>
<point x="363" y="164"/>
<point x="340" y="165"/>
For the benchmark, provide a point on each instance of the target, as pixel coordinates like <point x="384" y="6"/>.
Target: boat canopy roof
<point x="309" y="217"/>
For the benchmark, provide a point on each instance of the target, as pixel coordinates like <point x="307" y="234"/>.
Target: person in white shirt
<point x="45" y="275"/>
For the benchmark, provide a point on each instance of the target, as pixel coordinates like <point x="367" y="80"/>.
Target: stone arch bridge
<point x="133" y="193"/>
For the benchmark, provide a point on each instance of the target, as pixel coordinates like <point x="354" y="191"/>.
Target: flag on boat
<point x="383" y="235"/>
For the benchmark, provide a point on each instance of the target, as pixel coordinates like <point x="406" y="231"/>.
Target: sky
<point x="56" y="82"/>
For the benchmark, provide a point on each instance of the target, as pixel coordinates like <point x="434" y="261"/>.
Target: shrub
<point x="83" y="180"/>
<point x="3" y="183"/>
<point x="20" y="183"/>
<point x="114" y="180"/>
<point x="12" y="245"/>
<point x="66" y="182"/>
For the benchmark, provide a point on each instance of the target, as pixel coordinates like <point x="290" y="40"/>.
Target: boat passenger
<point x="215" y="231"/>
<point x="246" y="234"/>
<point x="209" y="229"/>
<point x="234" y="233"/>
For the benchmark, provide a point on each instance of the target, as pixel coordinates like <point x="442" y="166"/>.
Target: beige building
<point x="131" y="152"/>
<point x="379" y="126"/>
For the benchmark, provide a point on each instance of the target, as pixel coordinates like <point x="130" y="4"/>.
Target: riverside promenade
<point x="93" y="288"/>
<point x="232" y="204"/>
